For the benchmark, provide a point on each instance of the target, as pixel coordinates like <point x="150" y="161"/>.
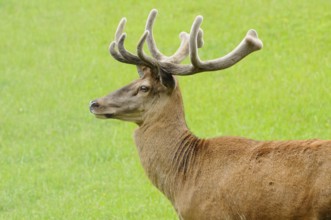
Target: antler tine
<point x="112" y="47"/>
<point x="181" y="52"/>
<point x="120" y="29"/>
<point x="141" y="53"/>
<point x="133" y="59"/>
<point x="114" y="53"/>
<point x="183" y="49"/>
<point x="122" y="54"/>
<point x="248" y="45"/>
<point x="195" y="60"/>
<point x="150" y="38"/>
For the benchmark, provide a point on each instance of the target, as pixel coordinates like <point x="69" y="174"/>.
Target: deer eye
<point x="143" y="89"/>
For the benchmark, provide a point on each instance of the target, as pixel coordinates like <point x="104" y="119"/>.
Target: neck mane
<point x="166" y="147"/>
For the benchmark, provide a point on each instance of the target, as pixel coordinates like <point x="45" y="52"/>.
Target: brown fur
<point x="231" y="177"/>
<point x="219" y="178"/>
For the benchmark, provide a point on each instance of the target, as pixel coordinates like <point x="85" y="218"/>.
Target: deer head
<point x="155" y="87"/>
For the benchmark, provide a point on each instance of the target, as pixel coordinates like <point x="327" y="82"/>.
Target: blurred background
<point x="58" y="162"/>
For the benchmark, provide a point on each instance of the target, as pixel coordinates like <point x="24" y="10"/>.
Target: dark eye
<point x="143" y="89"/>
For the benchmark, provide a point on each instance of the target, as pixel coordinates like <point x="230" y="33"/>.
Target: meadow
<point x="58" y="162"/>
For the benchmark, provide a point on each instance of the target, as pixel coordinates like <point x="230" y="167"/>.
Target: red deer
<point x="218" y="178"/>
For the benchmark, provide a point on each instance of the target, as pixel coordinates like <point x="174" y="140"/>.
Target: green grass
<point x="58" y="162"/>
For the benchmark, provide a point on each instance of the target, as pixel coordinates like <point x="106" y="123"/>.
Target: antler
<point x="189" y="46"/>
<point x="249" y="44"/>
<point x="125" y="56"/>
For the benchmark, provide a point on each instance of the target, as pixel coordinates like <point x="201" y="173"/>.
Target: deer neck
<point x="166" y="146"/>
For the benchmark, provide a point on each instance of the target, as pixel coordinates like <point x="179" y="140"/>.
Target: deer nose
<point x="94" y="104"/>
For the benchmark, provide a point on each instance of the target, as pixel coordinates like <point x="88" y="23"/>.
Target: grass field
<point x="58" y="162"/>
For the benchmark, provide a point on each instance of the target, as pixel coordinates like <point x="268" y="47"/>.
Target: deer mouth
<point x="109" y="115"/>
<point x="97" y="109"/>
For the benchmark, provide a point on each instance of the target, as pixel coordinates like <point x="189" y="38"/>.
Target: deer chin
<point x="125" y="117"/>
<point x="135" y="117"/>
<point x="104" y="116"/>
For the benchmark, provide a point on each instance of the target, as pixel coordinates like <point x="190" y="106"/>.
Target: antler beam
<point x="249" y="44"/>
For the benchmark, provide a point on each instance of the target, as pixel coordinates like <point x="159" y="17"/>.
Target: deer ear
<point x="167" y="80"/>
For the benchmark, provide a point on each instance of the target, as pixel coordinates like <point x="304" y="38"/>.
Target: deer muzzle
<point x="97" y="109"/>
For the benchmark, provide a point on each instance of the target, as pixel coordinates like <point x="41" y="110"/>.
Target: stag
<point x="218" y="178"/>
